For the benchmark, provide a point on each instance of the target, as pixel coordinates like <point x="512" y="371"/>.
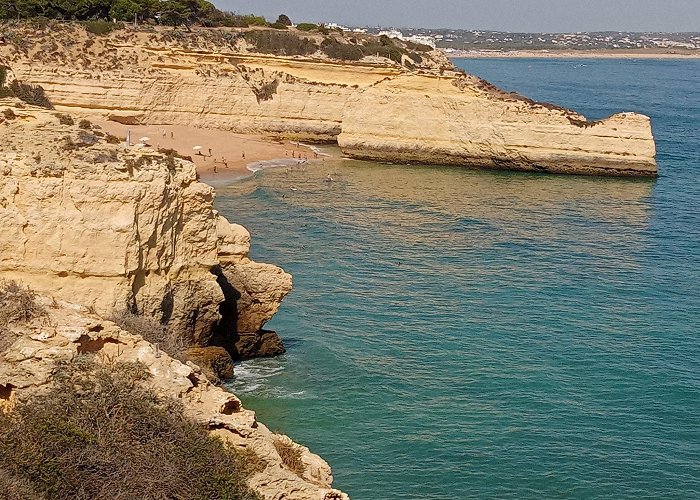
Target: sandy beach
<point x="224" y="155"/>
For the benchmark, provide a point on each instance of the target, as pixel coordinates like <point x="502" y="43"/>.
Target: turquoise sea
<point x="456" y="334"/>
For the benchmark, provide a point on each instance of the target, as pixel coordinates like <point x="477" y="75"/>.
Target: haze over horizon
<point x="496" y="15"/>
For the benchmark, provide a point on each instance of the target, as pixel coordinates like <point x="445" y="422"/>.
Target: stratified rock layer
<point x="375" y="109"/>
<point x="113" y="228"/>
<point x="464" y="121"/>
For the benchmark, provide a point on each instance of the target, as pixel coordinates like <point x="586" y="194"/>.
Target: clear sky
<point x="506" y="15"/>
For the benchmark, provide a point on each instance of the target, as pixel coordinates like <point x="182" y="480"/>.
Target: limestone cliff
<point x="113" y="228"/>
<point x="34" y="351"/>
<point x="464" y="121"/>
<point x="374" y="108"/>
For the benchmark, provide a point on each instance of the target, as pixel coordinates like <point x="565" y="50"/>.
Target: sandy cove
<point x="230" y="153"/>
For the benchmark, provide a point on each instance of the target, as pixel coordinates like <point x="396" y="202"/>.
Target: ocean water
<point x="455" y="333"/>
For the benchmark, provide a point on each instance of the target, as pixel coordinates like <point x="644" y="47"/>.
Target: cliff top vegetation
<point x="170" y="12"/>
<point x="100" y="432"/>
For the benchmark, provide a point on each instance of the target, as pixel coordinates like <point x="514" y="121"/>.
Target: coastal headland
<point x="99" y="227"/>
<point x="406" y="103"/>
<point x="107" y="237"/>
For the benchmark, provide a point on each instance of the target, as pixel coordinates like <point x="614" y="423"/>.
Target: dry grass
<point x="101" y="433"/>
<point x="18" y="303"/>
<point x="65" y="119"/>
<point x="113" y="139"/>
<point x="31" y="94"/>
<point x="290" y="455"/>
<point x="17" y="488"/>
<point x="152" y="331"/>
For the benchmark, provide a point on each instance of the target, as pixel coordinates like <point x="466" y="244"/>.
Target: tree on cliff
<point x="284" y="19"/>
<point x="172" y="11"/>
<point x="127" y="10"/>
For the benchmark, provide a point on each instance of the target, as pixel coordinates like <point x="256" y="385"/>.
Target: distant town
<point x="452" y="40"/>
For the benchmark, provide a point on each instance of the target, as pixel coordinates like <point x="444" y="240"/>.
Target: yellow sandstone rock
<point x="28" y="365"/>
<point x="374" y="108"/>
<point x="112" y="228"/>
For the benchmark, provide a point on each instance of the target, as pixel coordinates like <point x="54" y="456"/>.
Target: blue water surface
<point x="455" y="333"/>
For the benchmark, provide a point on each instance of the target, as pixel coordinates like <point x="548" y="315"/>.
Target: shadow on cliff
<point x="226" y="334"/>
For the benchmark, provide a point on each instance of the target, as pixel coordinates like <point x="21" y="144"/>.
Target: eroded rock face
<point x="252" y="293"/>
<point x="112" y="228"/>
<point x="464" y="121"/>
<point x="215" y="362"/>
<point x="373" y="108"/>
<point x="28" y="365"/>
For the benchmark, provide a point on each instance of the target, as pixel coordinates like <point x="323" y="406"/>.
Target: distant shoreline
<point x="570" y="54"/>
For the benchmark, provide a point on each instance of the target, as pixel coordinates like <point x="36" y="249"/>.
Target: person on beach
<point x="214" y="167"/>
<point x="209" y="151"/>
<point x="243" y="156"/>
<point x="329" y="178"/>
<point x="172" y="136"/>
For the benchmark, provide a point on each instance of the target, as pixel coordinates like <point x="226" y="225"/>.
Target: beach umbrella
<point x="197" y="148"/>
<point x="145" y="139"/>
<point x="140" y="145"/>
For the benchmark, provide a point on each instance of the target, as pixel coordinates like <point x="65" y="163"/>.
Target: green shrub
<point x="252" y="20"/>
<point x="99" y="432"/>
<point x="417" y="46"/>
<point x="41" y="22"/>
<point x="152" y="331"/>
<point x="31" y="94"/>
<point x="101" y="27"/>
<point x="416" y="57"/>
<point x="386" y="41"/>
<point x="307" y="26"/>
<point x="344" y="52"/>
<point x="278" y="26"/>
<point x="381" y="50"/>
<point x="8" y="114"/>
<point x="280" y="43"/>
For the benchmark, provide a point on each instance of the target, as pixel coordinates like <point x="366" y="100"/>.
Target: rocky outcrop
<point x="113" y="228"/>
<point x="375" y="109"/>
<point x="28" y="365"/>
<point x="252" y="295"/>
<point x="216" y="362"/>
<point x="464" y="121"/>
